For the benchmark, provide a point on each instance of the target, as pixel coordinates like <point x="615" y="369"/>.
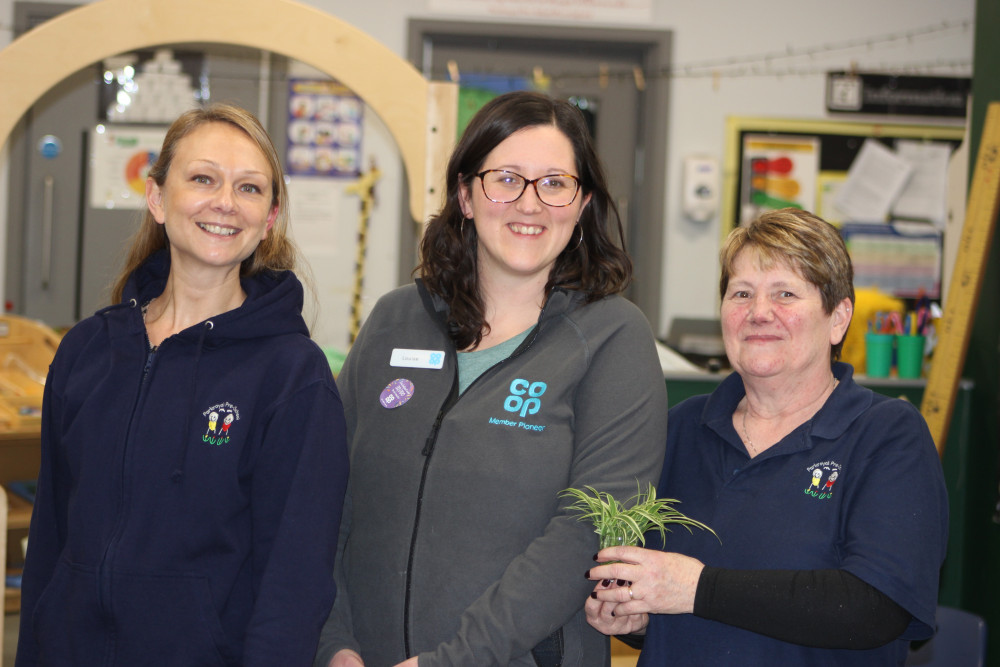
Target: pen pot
<point x="878" y="354"/>
<point x="910" y="356"/>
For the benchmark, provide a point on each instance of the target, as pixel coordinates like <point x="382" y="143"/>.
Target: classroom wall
<point x="768" y="58"/>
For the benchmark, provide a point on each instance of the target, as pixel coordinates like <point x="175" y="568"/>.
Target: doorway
<point x="605" y="72"/>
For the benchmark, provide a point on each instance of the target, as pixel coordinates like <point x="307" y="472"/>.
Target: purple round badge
<point x="396" y="393"/>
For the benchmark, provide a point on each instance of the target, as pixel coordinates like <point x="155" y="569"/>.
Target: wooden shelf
<point x="18" y="519"/>
<point x="18" y="511"/>
<point x="26" y="350"/>
<point x="12" y="597"/>
<point x="19" y="459"/>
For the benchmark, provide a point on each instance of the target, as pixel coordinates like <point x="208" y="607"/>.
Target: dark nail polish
<point x="628" y="583"/>
<point x="606" y="583"/>
<point x="622" y="582"/>
<point x="612" y="613"/>
<point x="593" y="594"/>
<point x="586" y="575"/>
<point x="595" y="557"/>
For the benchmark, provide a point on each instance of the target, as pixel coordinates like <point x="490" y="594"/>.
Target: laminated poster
<point x="120" y="159"/>
<point x="324" y="129"/>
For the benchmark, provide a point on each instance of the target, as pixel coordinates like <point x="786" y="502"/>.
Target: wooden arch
<point x="419" y="114"/>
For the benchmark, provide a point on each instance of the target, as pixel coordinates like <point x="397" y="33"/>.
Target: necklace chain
<point x="145" y="308"/>
<point x="746" y="433"/>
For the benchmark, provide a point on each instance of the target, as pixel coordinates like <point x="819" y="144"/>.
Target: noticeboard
<point x="803" y="161"/>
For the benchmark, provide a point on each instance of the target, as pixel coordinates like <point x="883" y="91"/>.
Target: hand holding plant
<point x="618" y="525"/>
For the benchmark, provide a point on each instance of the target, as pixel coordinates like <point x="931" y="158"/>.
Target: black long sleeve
<point x="821" y="608"/>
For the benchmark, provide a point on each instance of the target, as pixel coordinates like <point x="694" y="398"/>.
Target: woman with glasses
<point x="510" y="371"/>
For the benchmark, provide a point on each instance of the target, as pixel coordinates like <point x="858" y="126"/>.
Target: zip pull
<point x="432" y="438"/>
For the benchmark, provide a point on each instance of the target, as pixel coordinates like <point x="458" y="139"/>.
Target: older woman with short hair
<point x="828" y="499"/>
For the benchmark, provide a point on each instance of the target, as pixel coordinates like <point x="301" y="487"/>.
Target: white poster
<point x="120" y="158"/>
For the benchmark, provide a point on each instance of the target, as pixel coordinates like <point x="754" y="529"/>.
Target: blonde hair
<point x="275" y="253"/>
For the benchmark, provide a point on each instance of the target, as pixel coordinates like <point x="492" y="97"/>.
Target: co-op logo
<point x="524" y="397"/>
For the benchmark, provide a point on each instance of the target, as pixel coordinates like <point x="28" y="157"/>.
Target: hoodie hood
<point x="273" y="305"/>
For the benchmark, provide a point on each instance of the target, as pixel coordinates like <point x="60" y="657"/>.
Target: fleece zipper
<point x="107" y="560"/>
<point x="427" y="451"/>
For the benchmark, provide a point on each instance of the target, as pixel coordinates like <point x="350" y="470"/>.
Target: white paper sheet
<point x="874" y="181"/>
<point x="925" y="195"/>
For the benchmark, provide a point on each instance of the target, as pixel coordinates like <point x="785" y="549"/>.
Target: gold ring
<point x="629" y="592"/>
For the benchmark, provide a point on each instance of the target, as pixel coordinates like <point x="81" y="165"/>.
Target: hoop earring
<point x="580" y="240"/>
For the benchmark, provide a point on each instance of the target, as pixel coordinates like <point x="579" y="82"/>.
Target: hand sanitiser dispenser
<point x="700" y="192"/>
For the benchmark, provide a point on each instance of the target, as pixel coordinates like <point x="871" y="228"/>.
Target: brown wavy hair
<point x="598" y="266"/>
<point x="274" y="253"/>
<point x="805" y="243"/>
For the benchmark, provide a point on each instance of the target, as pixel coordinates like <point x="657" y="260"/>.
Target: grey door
<point x="48" y="153"/>
<point x="60" y="254"/>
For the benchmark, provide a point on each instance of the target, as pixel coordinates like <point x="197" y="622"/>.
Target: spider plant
<point x="618" y="525"/>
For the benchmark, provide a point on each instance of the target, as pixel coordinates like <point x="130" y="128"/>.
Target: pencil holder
<point x="878" y="354"/>
<point x="909" y="356"/>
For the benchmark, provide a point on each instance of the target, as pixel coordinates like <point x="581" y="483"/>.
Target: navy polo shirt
<point x="858" y="487"/>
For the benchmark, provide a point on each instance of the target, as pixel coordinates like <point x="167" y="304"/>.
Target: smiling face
<point x="216" y="201"/>
<point x="774" y="324"/>
<point x="522" y="239"/>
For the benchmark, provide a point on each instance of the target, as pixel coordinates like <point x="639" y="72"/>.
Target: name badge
<point x="417" y="358"/>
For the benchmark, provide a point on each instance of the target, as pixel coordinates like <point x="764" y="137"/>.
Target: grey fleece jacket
<point x="456" y="545"/>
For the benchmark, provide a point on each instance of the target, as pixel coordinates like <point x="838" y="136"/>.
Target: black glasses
<point x="503" y="187"/>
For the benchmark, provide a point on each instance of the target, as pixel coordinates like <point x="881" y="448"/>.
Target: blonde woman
<point x="193" y="451"/>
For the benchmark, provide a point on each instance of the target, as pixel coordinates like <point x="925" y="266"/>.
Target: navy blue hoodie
<point x="189" y="500"/>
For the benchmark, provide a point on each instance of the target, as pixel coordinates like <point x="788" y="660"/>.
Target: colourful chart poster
<point x="902" y="258"/>
<point x="324" y="129"/>
<point x="778" y="172"/>
<point x="120" y="160"/>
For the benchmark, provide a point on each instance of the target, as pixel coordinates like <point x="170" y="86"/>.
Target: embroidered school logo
<point x="525" y="397"/>
<point x="822" y="477"/>
<point x="221" y="418"/>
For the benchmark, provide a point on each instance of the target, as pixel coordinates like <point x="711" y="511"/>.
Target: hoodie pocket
<point x="168" y="618"/>
<point x="67" y="622"/>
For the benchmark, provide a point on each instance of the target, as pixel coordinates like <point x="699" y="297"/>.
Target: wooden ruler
<point x="955" y="326"/>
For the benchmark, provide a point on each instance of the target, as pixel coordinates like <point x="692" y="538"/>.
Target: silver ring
<point x="629" y="592"/>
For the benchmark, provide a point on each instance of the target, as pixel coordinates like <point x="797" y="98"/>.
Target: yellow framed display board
<point x="807" y="159"/>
